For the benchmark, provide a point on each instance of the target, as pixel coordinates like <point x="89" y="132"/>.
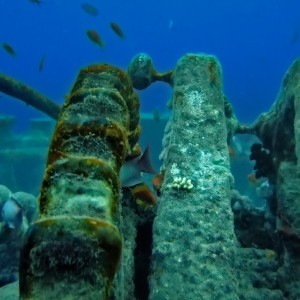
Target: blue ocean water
<point x="255" y="41"/>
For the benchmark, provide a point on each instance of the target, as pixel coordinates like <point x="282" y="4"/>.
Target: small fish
<point x="90" y="9"/>
<point x="12" y="214"/>
<point x="38" y="2"/>
<point x="41" y="63"/>
<point x="295" y="37"/>
<point x="9" y="49"/>
<point x="144" y="196"/>
<point x="130" y="173"/>
<point x="253" y="180"/>
<point x="156" y="115"/>
<point x="94" y="37"/>
<point x="231" y="152"/>
<point x="157" y="182"/>
<point x="117" y="29"/>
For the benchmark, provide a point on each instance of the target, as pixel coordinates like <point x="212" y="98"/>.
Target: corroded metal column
<point x="194" y="242"/>
<point x="73" y="251"/>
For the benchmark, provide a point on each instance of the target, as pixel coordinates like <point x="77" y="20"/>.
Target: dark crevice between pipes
<point x="142" y="260"/>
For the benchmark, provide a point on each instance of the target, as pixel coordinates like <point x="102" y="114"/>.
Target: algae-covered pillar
<point x="73" y="250"/>
<point x="193" y="237"/>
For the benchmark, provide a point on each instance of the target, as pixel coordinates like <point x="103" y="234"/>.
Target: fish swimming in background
<point x="294" y="37"/>
<point x="157" y="181"/>
<point x="253" y="180"/>
<point x="36" y="1"/>
<point x="231" y="151"/>
<point x="156" y="115"/>
<point x="94" y="37"/>
<point x="117" y="29"/>
<point x="90" y="9"/>
<point x="130" y="173"/>
<point x="12" y="214"/>
<point x="41" y="63"/>
<point x="9" y="49"/>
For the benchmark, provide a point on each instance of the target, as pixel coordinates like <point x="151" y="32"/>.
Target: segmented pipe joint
<point x="76" y="242"/>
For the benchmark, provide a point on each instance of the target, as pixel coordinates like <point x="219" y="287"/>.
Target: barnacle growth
<point x="76" y="242"/>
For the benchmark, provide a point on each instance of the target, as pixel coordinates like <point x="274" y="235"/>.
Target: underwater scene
<point x="149" y="150"/>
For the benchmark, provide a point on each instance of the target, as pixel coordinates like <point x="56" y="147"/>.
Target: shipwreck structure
<point x="76" y="242"/>
<point x="204" y="240"/>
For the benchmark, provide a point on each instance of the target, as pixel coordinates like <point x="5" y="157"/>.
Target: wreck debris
<point x="28" y="95"/>
<point x="142" y="72"/>
<point x="76" y="242"/>
<point x="193" y="231"/>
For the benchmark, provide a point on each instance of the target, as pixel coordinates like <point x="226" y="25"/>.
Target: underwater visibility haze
<point x="151" y="149"/>
<point x="255" y="42"/>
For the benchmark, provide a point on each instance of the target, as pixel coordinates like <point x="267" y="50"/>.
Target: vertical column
<point x="194" y="242"/>
<point x="73" y="251"/>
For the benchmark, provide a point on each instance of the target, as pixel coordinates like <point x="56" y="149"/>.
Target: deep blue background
<point x="255" y="41"/>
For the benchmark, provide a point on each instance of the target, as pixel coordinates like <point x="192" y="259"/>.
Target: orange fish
<point x="144" y="196"/>
<point x="231" y="152"/>
<point x="117" y="29"/>
<point x="252" y="179"/>
<point x="157" y="182"/>
<point x="94" y="37"/>
<point x="9" y="49"/>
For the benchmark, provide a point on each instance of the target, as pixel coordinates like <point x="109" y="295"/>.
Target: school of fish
<point x="92" y="34"/>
